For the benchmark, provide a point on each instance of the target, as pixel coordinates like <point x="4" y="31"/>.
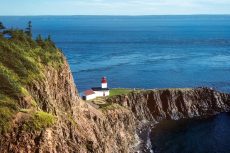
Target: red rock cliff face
<point x="155" y="105"/>
<point x="78" y="128"/>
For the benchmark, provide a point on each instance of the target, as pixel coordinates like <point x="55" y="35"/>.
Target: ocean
<point x="147" y="52"/>
<point x="207" y="135"/>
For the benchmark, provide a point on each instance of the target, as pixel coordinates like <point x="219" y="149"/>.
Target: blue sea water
<point x="149" y="52"/>
<point x="209" y="135"/>
<point x="140" y="52"/>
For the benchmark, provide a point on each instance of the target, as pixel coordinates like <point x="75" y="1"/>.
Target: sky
<point x="113" y="7"/>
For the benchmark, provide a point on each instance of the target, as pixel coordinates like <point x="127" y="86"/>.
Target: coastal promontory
<point x="41" y="111"/>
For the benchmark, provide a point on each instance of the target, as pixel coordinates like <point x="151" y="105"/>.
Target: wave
<point x="158" y="42"/>
<point x="106" y="62"/>
<point x="98" y="69"/>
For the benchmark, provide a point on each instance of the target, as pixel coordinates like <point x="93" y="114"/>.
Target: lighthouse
<point x="95" y="92"/>
<point x="103" y="90"/>
<point x="104" y="84"/>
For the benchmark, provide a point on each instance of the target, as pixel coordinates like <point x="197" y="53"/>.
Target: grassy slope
<point x="119" y="91"/>
<point x="22" y="61"/>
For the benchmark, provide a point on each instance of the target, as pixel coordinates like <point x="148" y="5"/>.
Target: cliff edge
<point x="174" y="104"/>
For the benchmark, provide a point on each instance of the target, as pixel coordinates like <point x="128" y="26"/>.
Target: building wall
<point x="104" y="85"/>
<point x="107" y="93"/>
<point x="89" y="97"/>
<point x="101" y="93"/>
<point x="97" y="94"/>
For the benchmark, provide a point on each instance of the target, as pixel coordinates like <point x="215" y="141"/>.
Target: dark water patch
<point x="207" y="135"/>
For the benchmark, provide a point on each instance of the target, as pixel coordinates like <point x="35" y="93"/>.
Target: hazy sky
<point x="113" y="7"/>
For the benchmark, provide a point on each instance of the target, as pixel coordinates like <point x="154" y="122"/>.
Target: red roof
<point x="103" y="80"/>
<point x="89" y="92"/>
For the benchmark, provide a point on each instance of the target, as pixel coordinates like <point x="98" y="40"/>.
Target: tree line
<point x="28" y="32"/>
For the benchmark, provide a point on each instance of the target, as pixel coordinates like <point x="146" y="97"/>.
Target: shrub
<point x="6" y="115"/>
<point x="8" y="107"/>
<point x="38" y="121"/>
<point x="110" y="106"/>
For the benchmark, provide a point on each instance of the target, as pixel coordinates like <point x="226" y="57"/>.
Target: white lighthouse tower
<point x="97" y="91"/>
<point x="104" y="84"/>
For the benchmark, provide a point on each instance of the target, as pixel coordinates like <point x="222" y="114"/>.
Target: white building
<point x="97" y="91"/>
<point x="88" y="95"/>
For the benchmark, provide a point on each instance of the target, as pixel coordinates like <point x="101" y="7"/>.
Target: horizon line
<point x="119" y="15"/>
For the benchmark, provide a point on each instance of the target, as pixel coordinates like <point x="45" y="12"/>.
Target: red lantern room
<point x="104" y="82"/>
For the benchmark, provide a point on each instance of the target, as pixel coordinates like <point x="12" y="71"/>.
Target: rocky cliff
<point x="174" y="104"/>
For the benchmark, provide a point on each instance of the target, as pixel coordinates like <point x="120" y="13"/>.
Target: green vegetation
<point x="110" y="106"/>
<point x="22" y="62"/>
<point x="7" y="109"/>
<point x="38" y="121"/>
<point x="2" y="26"/>
<point x="29" y="29"/>
<point x="119" y="91"/>
<point x="25" y="110"/>
<point x="71" y="119"/>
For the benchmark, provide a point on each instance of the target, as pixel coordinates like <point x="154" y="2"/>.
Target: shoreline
<point x="144" y="145"/>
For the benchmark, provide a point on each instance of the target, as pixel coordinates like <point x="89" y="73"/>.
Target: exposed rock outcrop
<point x="156" y="105"/>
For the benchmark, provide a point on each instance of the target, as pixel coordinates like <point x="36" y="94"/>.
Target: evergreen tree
<point x="2" y="27"/>
<point x="49" y="41"/>
<point x="49" y="38"/>
<point x="29" y="29"/>
<point x="39" y="40"/>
